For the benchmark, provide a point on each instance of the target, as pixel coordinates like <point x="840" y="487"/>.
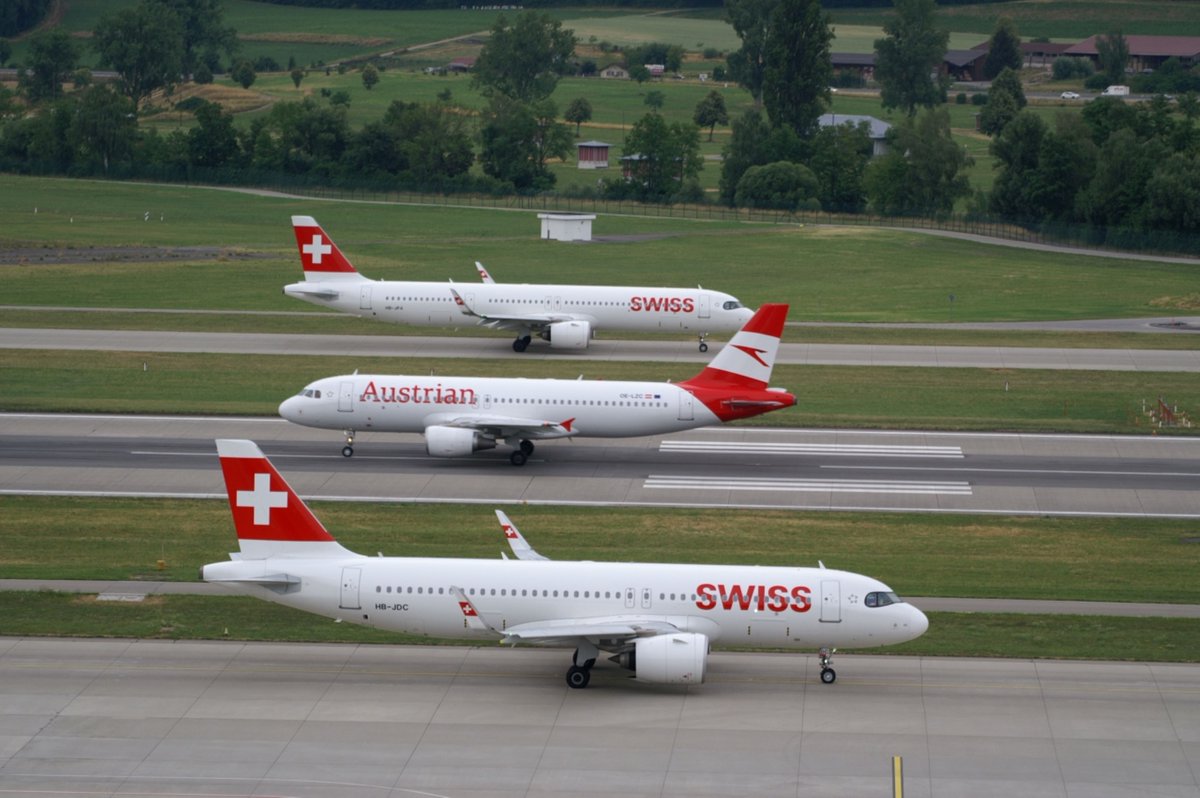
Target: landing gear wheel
<point x="578" y="678"/>
<point x="522" y="343"/>
<point x="703" y="343"/>
<point x="526" y="448"/>
<point x="518" y="458"/>
<point x="347" y="451"/>
<point x="828" y="676"/>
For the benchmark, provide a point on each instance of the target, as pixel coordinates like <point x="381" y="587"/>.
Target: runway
<point x="727" y="467"/>
<point x="601" y="350"/>
<point x="156" y="718"/>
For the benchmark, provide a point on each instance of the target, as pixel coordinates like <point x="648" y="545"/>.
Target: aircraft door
<point x="646" y="598"/>
<point x="351" y="577"/>
<point x="702" y="305"/>
<point x="364" y="298"/>
<point x="686" y="405"/>
<point x="629" y="602"/>
<point x="346" y="397"/>
<point x="831" y="601"/>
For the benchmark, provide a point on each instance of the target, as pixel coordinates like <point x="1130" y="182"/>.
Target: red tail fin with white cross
<point x="271" y="520"/>
<point x="321" y="258"/>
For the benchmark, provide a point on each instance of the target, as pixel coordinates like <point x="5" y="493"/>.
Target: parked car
<point x="1070" y="95"/>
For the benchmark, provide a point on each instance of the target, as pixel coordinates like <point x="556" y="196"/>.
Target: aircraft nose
<point x="918" y="623"/>
<point x="291" y="408"/>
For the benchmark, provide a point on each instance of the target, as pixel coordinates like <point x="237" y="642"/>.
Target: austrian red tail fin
<point x="321" y="258"/>
<point x="747" y="360"/>
<point x="271" y="520"/>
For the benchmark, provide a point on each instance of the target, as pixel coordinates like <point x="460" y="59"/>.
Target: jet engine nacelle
<point x="568" y="334"/>
<point x="455" y="441"/>
<point x="679" y="658"/>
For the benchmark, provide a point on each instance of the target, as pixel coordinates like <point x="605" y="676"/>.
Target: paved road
<point x="724" y="467"/>
<point x="670" y="351"/>
<point x="115" y="717"/>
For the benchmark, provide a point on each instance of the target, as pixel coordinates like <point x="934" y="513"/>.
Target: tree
<point x="753" y="142"/>
<point x="435" y="141"/>
<point x="655" y="100"/>
<point x="1017" y="149"/>
<point x="526" y="59"/>
<point x="370" y="76"/>
<point x="204" y="35"/>
<point x="908" y="57"/>
<point x="516" y="140"/>
<point x="639" y="73"/>
<point x="751" y="21"/>
<point x="667" y="155"/>
<point x="5" y="51"/>
<point x="103" y="129"/>
<point x="578" y="112"/>
<point x="782" y="185"/>
<point x="1005" y="100"/>
<point x="212" y="143"/>
<point x="52" y="56"/>
<point x="711" y="112"/>
<point x="297" y="76"/>
<point x="797" y="68"/>
<point x="839" y="160"/>
<point x="1112" y="51"/>
<point x="144" y="44"/>
<point x="1173" y="195"/>
<point x="922" y="173"/>
<point x="243" y="73"/>
<point x="1004" y="49"/>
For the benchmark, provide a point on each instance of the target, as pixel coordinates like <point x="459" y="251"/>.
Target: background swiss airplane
<point x="461" y="415"/>
<point x="656" y="619"/>
<point x="564" y="315"/>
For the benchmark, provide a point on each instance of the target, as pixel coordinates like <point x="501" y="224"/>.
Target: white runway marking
<point x="838" y="449"/>
<point x="669" y="482"/>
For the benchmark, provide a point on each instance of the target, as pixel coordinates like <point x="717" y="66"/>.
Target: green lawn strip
<point x="46" y="613"/>
<point x="828" y="396"/>
<point x="825" y="273"/>
<point x="1094" y="559"/>
<point x="318" y="322"/>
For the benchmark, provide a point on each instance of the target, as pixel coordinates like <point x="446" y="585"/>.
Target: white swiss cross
<point x="317" y="249"/>
<point x="262" y="499"/>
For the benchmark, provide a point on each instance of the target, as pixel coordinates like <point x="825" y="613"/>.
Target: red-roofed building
<point x="1146" y="52"/>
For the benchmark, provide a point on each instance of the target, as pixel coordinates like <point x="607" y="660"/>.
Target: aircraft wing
<point x="623" y="628"/>
<point x="531" y="321"/>
<point x="499" y="426"/>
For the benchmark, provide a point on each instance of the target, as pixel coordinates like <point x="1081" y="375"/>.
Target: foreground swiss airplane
<point x="564" y="315"/>
<point x="655" y="619"/>
<point x="461" y="415"/>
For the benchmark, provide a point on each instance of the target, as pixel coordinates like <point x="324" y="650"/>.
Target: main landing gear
<point x="522" y="343"/>
<point x="579" y="675"/>
<point x="828" y="674"/>
<point x="703" y="343"/>
<point x="348" y="449"/>
<point x="524" y="449"/>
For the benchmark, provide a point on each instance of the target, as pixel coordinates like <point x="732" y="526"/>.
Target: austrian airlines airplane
<point x="655" y="619"/>
<point x="564" y="315"/>
<point x="461" y="415"/>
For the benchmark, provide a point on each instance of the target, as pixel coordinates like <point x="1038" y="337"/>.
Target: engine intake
<point x="568" y="334"/>
<point x="455" y="441"/>
<point x="679" y="658"/>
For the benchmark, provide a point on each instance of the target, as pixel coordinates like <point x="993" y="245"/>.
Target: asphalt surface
<point x="646" y="350"/>
<point x="157" y="718"/>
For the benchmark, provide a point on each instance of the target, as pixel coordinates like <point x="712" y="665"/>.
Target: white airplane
<point x="565" y="315"/>
<point x="462" y="415"/>
<point x="658" y="620"/>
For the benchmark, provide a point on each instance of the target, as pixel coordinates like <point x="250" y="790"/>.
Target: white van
<point x="1115" y="91"/>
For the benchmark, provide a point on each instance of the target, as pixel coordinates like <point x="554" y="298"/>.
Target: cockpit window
<point x="882" y="599"/>
<point x="310" y="393"/>
<point x="732" y="305"/>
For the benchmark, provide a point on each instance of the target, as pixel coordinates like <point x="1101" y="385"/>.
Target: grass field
<point x="827" y="274"/>
<point x="1093" y="559"/>
<point x="829" y="396"/>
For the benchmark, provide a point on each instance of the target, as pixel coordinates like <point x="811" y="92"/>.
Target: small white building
<point x="567" y="226"/>
<point x="877" y="129"/>
<point x="615" y="72"/>
<point x="592" y="154"/>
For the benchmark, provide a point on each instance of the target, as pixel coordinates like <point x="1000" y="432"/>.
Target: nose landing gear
<point x="703" y="343"/>
<point x="348" y="449"/>
<point x="828" y="674"/>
